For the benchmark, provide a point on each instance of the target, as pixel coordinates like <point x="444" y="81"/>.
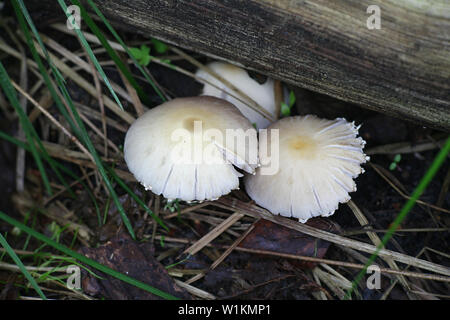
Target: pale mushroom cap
<point x="263" y="94"/>
<point x="153" y="141"/>
<point x="318" y="160"/>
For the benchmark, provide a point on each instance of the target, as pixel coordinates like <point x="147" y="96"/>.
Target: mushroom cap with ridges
<point x="150" y="149"/>
<point x="318" y="160"/>
<point x="263" y="94"/>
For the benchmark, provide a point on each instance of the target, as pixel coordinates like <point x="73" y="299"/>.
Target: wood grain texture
<point x="402" y="69"/>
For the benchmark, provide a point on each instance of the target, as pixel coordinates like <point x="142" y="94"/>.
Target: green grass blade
<point x="79" y="129"/>
<point x="43" y="71"/>
<point x="20" y="17"/>
<point x="24" y="11"/>
<point x="22" y="268"/>
<point x="87" y="261"/>
<point x="98" y="162"/>
<point x="136" y="198"/>
<point x="94" y="60"/>
<point x="125" y="47"/>
<point x="10" y="92"/>
<point x="426" y="179"/>
<point x="111" y="52"/>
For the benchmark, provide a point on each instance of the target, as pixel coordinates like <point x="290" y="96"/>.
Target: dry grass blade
<point x="347" y="264"/>
<point x="54" y="121"/>
<point x="214" y="233"/>
<point x="69" y="72"/>
<point x="223" y="255"/>
<point x="432" y="295"/>
<point x="400" y="192"/>
<point x="195" y="291"/>
<point x="336" y="284"/>
<point x="20" y="157"/>
<point x="257" y="212"/>
<point x="102" y="135"/>
<point x="404" y="147"/>
<point x="232" y="247"/>
<point x="188" y="209"/>
<point x="434" y="251"/>
<point x="132" y="92"/>
<point x="92" y="114"/>
<point x="57" y="151"/>
<point x="89" y="36"/>
<point x="237" y="94"/>
<point x="70" y="294"/>
<point x="320" y="260"/>
<point x="414" y="230"/>
<point x="98" y="87"/>
<point x="337" y="274"/>
<point x="376" y="240"/>
<point x="83" y="65"/>
<point x="15" y="268"/>
<point x="319" y="295"/>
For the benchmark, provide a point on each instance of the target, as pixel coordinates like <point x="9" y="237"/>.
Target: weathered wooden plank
<point x="402" y="69"/>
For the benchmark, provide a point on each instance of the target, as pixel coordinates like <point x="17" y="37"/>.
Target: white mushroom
<point x="263" y="94"/>
<point x="180" y="149"/>
<point x="318" y="160"/>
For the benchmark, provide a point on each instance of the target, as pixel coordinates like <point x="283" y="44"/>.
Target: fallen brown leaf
<point x="133" y="259"/>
